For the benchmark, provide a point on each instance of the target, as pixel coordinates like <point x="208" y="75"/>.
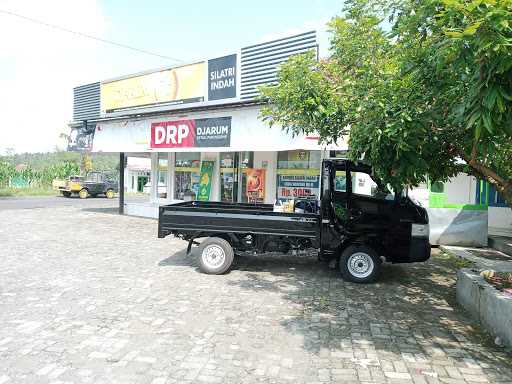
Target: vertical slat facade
<point x="86" y="102"/>
<point x="260" y="63"/>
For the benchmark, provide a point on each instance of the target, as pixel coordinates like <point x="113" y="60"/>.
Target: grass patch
<point x="452" y="261"/>
<point x="36" y="191"/>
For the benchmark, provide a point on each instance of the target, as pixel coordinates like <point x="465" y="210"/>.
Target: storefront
<point x="244" y="160"/>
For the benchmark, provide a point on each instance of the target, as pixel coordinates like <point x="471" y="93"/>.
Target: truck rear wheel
<point x="360" y="264"/>
<point x="216" y="256"/>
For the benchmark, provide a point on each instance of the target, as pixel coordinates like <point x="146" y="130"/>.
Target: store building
<point x="196" y="127"/>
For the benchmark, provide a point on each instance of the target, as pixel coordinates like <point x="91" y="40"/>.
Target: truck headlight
<point x="420" y="230"/>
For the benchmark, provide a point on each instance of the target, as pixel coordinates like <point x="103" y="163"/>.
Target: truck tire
<point x="360" y="264"/>
<point x="216" y="256"/>
<point x="110" y="193"/>
<point x="83" y="194"/>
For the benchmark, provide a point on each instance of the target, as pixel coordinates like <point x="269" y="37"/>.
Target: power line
<point x="88" y="36"/>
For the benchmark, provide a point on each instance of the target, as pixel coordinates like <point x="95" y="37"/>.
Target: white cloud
<point x="39" y="66"/>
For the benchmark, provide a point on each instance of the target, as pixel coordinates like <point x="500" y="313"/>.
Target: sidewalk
<point x="483" y="258"/>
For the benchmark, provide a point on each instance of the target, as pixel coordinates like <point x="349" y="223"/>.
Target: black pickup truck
<point x="356" y="231"/>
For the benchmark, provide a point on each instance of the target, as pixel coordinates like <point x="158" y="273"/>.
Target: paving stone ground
<point x="91" y="297"/>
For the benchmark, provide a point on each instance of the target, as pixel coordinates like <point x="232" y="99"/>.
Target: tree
<point x="424" y="89"/>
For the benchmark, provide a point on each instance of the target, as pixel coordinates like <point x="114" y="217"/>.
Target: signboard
<point x="177" y="85"/>
<point x="292" y="186"/>
<point x="81" y="138"/>
<point x="214" y="132"/>
<point x="205" y="181"/>
<point x="255" y="185"/>
<point x="222" y="78"/>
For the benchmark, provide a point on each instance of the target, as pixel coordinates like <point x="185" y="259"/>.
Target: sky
<point x="39" y="66"/>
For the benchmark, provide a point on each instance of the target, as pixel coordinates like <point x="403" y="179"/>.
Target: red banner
<point x="173" y="134"/>
<point x="255" y="185"/>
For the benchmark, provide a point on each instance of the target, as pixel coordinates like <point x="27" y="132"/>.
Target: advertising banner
<point x="81" y="138"/>
<point x="205" y="181"/>
<point x="255" y="185"/>
<point x="176" y="85"/>
<point x="292" y="186"/>
<point x="222" y="78"/>
<point x="213" y="132"/>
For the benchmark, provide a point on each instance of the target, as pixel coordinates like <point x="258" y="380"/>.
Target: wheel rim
<point x="83" y="194"/>
<point x="110" y="194"/>
<point x="360" y="265"/>
<point x="213" y="256"/>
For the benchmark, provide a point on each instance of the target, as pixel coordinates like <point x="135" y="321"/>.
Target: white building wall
<point x="460" y="189"/>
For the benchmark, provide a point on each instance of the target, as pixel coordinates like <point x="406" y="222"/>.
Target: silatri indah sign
<point x="211" y="132"/>
<point x="222" y="78"/>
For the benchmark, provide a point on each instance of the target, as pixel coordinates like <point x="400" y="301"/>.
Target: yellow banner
<point x="185" y="83"/>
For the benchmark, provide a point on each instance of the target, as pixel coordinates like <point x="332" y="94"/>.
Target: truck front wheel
<point x="83" y="194"/>
<point x="360" y="264"/>
<point x="216" y="256"/>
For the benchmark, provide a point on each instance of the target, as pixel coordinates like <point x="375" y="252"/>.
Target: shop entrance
<point x="233" y="176"/>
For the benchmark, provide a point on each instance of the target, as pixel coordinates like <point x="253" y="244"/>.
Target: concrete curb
<point x="486" y="304"/>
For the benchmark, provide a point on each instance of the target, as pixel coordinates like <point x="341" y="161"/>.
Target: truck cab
<point x="360" y="229"/>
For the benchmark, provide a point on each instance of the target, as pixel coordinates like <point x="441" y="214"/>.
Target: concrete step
<point x="501" y="243"/>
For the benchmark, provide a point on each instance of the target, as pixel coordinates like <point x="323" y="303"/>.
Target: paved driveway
<point x="87" y="296"/>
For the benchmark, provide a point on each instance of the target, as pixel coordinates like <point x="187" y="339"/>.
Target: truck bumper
<point x="419" y="250"/>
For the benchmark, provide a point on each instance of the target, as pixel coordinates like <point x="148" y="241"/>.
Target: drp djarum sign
<point x="222" y="78"/>
<point x="214" y="132"/>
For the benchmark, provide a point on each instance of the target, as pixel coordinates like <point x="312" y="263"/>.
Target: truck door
<point x="333" y="207"/>
<point x="375" y="214"/>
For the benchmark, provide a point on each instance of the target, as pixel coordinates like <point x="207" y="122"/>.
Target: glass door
<point x="233" y="183"/>
<point x="246" y="161"/>
<point x="162" y="179"/>
<point x="187" y="172"/>
<point x="229" y="176"/>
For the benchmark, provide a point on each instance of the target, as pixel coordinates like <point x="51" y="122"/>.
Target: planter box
<point x="492" y="308"/>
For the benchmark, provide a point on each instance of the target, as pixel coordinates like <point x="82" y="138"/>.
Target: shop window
<point x="163" y="167"/>
<point x="298" y="174"/>
<point x="187" y="171"/>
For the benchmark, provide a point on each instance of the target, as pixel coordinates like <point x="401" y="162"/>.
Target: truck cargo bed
<point x="192" y="217"/>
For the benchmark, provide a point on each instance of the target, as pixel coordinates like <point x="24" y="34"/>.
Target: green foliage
<point x="303" y="83"/>
<point x="433" y="88"/>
